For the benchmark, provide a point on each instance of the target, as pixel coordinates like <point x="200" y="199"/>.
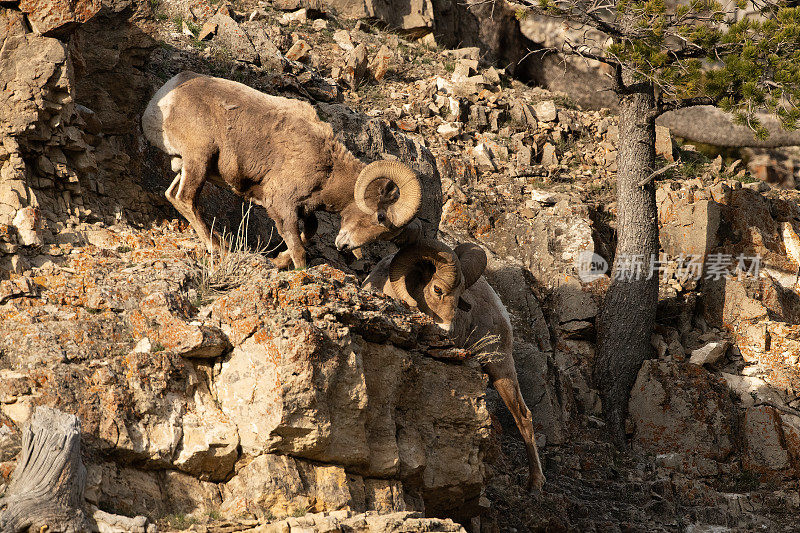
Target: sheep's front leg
<point x="512" y="396"/>
<point x="183" y="194"/>
<point x="288" y="228"/>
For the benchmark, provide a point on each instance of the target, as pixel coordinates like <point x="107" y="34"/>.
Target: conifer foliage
<point x="743" y="57"/>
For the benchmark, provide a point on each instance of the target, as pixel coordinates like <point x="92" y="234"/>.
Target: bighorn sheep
<point x="448" y="285"/>
<point x="276" y="152"/>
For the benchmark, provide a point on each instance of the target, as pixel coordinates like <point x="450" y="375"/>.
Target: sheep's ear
<point x="473" y="262"/>
<point x="464" y="305"/>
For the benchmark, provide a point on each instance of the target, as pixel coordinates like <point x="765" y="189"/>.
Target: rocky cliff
<point x="220" y="392"/>
<point x="291" y="392"/>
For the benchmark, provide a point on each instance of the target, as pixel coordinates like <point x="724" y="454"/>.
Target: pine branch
<point x="656" y="173"/>
<point x="696" y="52"/>
<point x="580" y="15"/>
<point x="672" y="105"/>
<point x="583" y="51"/>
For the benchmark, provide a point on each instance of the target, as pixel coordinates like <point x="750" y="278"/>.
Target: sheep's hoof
<point x="535" y="483"/>
<point x="283" y="261"/>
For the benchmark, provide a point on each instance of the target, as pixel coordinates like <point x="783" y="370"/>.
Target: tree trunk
<point x="46" y="491"/>
<point x="629" y="309"/>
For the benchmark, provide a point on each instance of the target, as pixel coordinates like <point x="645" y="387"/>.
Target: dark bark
<point x="629" y="309"/>
<point x="46" y="490"/>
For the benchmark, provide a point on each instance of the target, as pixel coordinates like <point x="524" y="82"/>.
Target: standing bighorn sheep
<point x="448" y="285"/>
<point x="276" y="152"/>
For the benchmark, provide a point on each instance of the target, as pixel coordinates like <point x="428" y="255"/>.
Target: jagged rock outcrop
<point x="294" y="391"/>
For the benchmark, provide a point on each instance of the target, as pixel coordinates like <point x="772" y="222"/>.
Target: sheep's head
<point x="387" y="196"/>
<point x="432" y="277"/>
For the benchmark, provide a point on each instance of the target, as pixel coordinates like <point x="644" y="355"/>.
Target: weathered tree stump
<point x="46" y="489"/>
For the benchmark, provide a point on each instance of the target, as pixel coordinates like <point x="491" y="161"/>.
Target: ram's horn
<point x="405" y="208"/>
<point x="445" y="261"/>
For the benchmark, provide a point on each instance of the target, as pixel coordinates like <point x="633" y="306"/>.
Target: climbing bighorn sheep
<point x="276" y="152"/>
<point x="448" y="285"/>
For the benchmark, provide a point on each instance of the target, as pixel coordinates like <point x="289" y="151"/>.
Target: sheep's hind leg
<point x="512" y="397"/>
<point x="189" y="182"/>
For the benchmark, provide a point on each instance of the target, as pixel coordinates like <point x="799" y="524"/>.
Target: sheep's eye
<point x="437" y="290"/>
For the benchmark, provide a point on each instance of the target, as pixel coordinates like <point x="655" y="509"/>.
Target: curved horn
<point x="405" y="208"/>
<point x="444" y="260"/>
<point x="473" y="262"/>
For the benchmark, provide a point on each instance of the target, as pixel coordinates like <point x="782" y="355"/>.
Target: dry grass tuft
<point x="215" y="273"/>
<point x="485" y="350"/>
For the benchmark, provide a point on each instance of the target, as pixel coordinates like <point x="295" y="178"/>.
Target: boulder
<point x="549" y="157"/>
<point x="162" y="317"/>
<point x="380" y="63"/>
<point x="407" y="15"/>
<point x="230" y="35"/>
<point x="765" y="451"/>
<point x="328" y="395"/>
<point x="55" y="18"/>
<point x="281" y="485"/>
<point x="689" y="229"/>
<point x="712" y="125"/>
<point x="546" y="111"/>
<point x="709" y="354"/>
<point x="269" y="56"/>
<point x="585" y="81"/>
<point x="356" y="66"/>
<point x="12" y="23"/>
<point x="664" y="144"/>
<point x="681" y="408"/>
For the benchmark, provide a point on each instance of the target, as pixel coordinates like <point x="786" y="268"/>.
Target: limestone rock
<point x="728" y="301"/>
<point x="762" y="429"/>
<point x="356" y="67"/>
<point x="15" y="288"/>
<point x="57" y="17"/>
<point x="280" y="391"/>
<point x="269" y="55"/>
<point x="546" y="111"/>
<point x="176" y="332"/>
<point x="282" y="484"/>
<point x="296" y="17"/>
<point x="484" y="158"/>
<point x="155" y="493"/>
<point x="11" y="23"/>
<point x="342" y="38"/>
<point x="751" y="389"/>
<point x="207" y="31"/>
<point x="407" y="15"/>
<point x="380" y="63"/>
<point x="681" y="408"/>
<point x="298" y="51"/>
<point x="233" y="37"/>
<point x="710" y="353"/>
<point x="664" y="144"/>
<point x="209" y="446"/>
<point x="689" y="229"/>
<point x="549" y="156"/>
